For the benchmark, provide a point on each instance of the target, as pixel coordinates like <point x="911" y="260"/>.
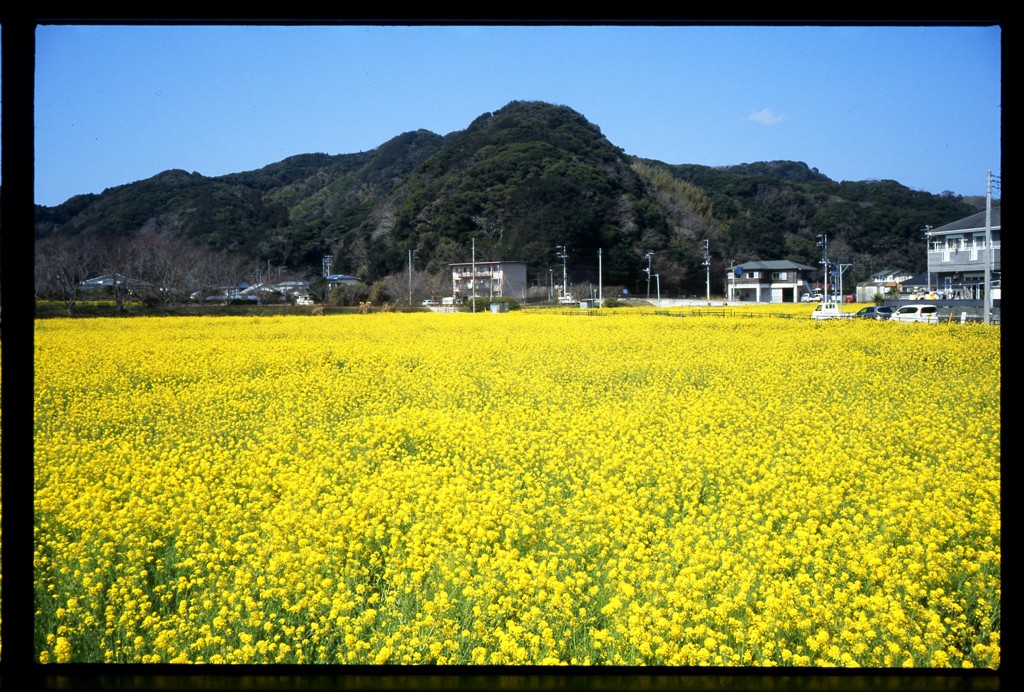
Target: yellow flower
<point x="296" y="491"/>
<point x="62" y="650"/>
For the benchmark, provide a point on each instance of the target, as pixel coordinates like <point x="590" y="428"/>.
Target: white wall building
<point x="493" y="280"/>
<point x="773" y="281"/>
<point x="959" y="252"/>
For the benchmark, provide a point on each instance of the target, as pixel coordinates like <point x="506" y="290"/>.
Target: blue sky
<point x="116" y="104"/>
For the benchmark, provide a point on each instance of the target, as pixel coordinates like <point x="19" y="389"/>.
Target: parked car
<point x="849" y="299"/>
<point x="830" y="311"/>
<point x="916" y="313"/>
<point x="809" y="298"/>
<point x="875" y="312"/>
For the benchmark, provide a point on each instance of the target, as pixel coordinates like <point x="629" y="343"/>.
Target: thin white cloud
<point x="766" y="116"/>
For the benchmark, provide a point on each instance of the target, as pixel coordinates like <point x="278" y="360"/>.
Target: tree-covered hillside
<point x="517" y="183"/>
<point x="777" y="209"/>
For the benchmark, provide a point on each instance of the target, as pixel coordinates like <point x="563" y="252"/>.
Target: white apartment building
<point x="499" y="279"/>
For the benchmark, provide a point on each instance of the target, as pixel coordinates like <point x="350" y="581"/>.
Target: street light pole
<point x="563" y="255"/>
<point x="988" y="249"/>
<point x="707" y="270"/>
<point x="648" y="256"/>
<point x="823" y="242"/>
<point x="840" y="268"/>
<point x="412" y="253"/>
<point x="927" y="264"/>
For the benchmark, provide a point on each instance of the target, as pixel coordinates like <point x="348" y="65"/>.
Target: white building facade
<point x="774" y="281"/>
<point x="959" y="252"/>
<point x="501" y="279"/>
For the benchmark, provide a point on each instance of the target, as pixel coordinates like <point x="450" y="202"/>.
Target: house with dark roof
<point x="887" y="282"/>
<point x="334" y="280"/>
<point x="890" y="277"/>
<point x="769" y="281"/>
<point x="960" y="252"/>
<point x="915" y="286"/>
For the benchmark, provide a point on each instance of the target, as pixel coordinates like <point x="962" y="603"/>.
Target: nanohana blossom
<point x="518" y="488"/>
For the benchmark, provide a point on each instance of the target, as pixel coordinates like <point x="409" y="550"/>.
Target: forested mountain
<point x="518" y="183"/>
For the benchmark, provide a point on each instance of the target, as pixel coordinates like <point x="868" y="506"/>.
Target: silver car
<point x="875" y="312"/>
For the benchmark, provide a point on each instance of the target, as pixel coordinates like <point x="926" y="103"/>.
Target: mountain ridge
<point x="517" y="182"/>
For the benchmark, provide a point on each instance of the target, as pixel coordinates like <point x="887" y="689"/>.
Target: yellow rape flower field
<point x="520" y="488"/>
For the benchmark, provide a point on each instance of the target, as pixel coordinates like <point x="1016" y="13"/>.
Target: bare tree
<point x="169" y="269"/>
<point x="435" y="285"/>
<point x="61" y="265"/>
<point x="228" y="269"/>
<point x="205" y="272"/>
<point x="121" y="261"/>
<point x="421" y="285"/>
<point x="258" y="274"/>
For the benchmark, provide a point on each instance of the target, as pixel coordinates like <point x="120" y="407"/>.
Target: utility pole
<point x="840" y="268"/>
<point x="927" y="249"/>
<point x="327" y="265"/>
<point x="707" y="270"/>
<point x="412" y="253"/>
<point x="657" y="279"/>
<point x="823" y="243"/>
<point x="600" y="294"/>
<point x="648" y="256"/>
<point x="474" y="275"/>
<point x="989" y="250"/>
<point x="563" y="255"/>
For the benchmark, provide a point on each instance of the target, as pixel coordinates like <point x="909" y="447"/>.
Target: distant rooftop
<point x="773" y="265"/>
<point x="970" y="223"/>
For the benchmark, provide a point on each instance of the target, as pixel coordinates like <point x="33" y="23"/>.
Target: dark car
<point x="875" y="312"/>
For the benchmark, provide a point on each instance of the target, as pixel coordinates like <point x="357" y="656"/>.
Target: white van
<point x="830" y="311"/>
<point x="916" y="313"/>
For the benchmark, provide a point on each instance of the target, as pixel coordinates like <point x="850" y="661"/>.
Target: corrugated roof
<point x="970" y="223"/>
<point x="889" y="272"/>
<point x="774" y="265"/>
<point x="922" y="280"/>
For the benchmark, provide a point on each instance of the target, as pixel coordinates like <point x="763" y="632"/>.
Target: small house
<point x="771" y="281"/>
